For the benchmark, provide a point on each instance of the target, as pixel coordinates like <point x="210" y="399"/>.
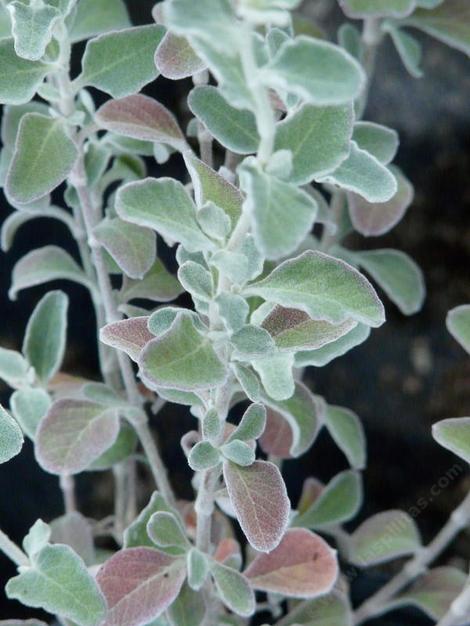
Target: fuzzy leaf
<point x="330" y="610"/>
<point x="318" y="72"/>
<point x="251" y="425"/>
<point x="43" y="158"/>
<point x="347" y="431"/>
<point x="454" y="434"/>
<point x="139" y="584"/>
<point x="196" y="280"/>
<point x="28" y="407"/>
<point x="203" y="456"/>
<point x="141" y="117"/>
<point x="333" y="350"/>
<point x="59" y="583"/>
<point x="75" y="531"/>
<point x="157" y="285"/>
<point x="383" y="537"/>
<point x="318" y="138"/>
<point x="380" y="141"/>
<point x="73" y="434"/>
<point x="409" y="49"/>
<point x="176" y="59"/>
<point x="278" y="230"/>
<point x="234" y="129"/>
<point x="11" y="437"/>
<point x="324" y="287"/>
<point x="363" y="174"/>
<point x="276" y="374"/>
<point x="132" y="247"/>
<point x="131" y="335"/>
<point x="122" y="448"/>
<point x="377" y="8"/>
<point x="198" y="568"/>
<point x="398" y="275"/>
<point x="164" y="205"/>
<point x="121" y="62"/>
<point x="38" y="536"/>
<point x="94" y="17"/>
<point x="248" y="381"/>
<point x="32" y="28"/>
<point x="182" y="358"/>
<point x="458" y="324"/>
<point x="239" y="453"/>
<point x="233" y="589"/>
<point x="14" y="368"/>
<point x="251" y="342"/>
<point x="302" y="566"/>
<point x="166" y="531"/>
<point x="233" y="309"/>
<point x="259" y="498"/>
<point x="136" y="534"/>
<point x="20" y="78"/>
<point x="187" y="610"/>
<point x="45" y="336"/>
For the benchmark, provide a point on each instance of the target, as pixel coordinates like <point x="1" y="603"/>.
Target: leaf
<point x="347" y="431"/>
<point x="409" y="50"/>
<point x="317" y="71"/>
<point x="281" y="214"/>
<point x="14" y="369"/>
<point x="166" y="531"/>
<point x="374" y="219"/>
<point x="131" y="335"/>
<point x="398" y="275"/>
<point x="11" y="437"/>
<point x="32" y="28"/>
<point x="164" y="205"/>
<point x="94" y="17"/>
<point x="43" y="158"/>
<point x="454" y="434"/>
<point x="233" y="128"/>
<point x="20" y="622"/>
<point x="302" y="566"/>
<point x="73" y="434"/>
<point x="188" y="609"/>
<point x="121" y="62"/>
<point x="75" y="531"/>
<point x="46" y="333"/>
<point x="203" y="456"/>
<point x="330" y="610"/>
<point x="259" y="498"/>
<point x="28" y="407"/>
<point x="233" y="589"/>
<point x="136" y="534"/>
<point x="449" y="22"/>
<point x="458" y="324"/>
<point x="338" y="502"/>
<point x="383" y="537"/>
<point x="132" y="247"/>
<point x="248" y="381"/>
<point x="182" y="358"/>
<point x="214" y="221"/>
<point x="239" y="452"/>
<point x="139" y="584"/>
<point x="143" y="118"/>
<point x="157" y="285"/>
<point x="329" y="352"/>
<point x="196" y="280"/>
<point x="122" y="448"/>
<point x="276" y="374"/>
<point x="59" y="583"/>
<point x="38" y="536"/>
<point x="380" y="141"/>
<point x="363" y="174"/>
<point x="43" y="265"/>
<point x="20" y="78"/>
<point x="377" y="8"/>
<point x="318" y="138"/>
<point x="251" y="342"/>
<point x="251" y="425"/>
<point x="324" y="287"/>
<point x="176" y="59"/>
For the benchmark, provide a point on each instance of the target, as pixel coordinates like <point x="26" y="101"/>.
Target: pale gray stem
<point x="12" y="551"/>
<point x="67" y="485"/>
<point x="156" y="464"/>
<point x="459" y="609"/>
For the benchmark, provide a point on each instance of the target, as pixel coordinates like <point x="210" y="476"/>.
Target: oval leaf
<point x="458" y="324"/>
<point x="11" y="437"/>
<point x="175" y="58"/>
<point x="454" y="434"/>
<point x="130" y="336"/>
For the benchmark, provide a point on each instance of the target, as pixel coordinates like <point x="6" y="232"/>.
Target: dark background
<point x="408" y="375"/>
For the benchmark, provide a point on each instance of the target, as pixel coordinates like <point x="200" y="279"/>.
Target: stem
<point x="12" y="551"/>
<point x="67" y="485"/>
<point x="459" y="609"/>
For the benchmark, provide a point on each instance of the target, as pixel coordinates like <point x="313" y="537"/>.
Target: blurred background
<point x="408" y="375"/>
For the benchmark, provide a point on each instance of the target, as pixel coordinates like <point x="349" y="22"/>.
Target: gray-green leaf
<point x="11" y="437"/>
<point x="19" y="78"/>
<point x="458" y="324"/>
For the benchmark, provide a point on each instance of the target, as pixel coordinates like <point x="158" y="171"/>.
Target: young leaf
<point x="333" y="350"/>
<point x="458" y="324"/>
<point x="374" y="219"/>
<point x="276" y="374"/>
<point x="380" y="141"/>
<point x="198" y="568"/>
<point x="166" y="531"/>
<point x="248" y="381"/>
<point x="43" y="265"/>
<point x="302" y="566"/>
<point x="324" y="287"/>
<point x="14" y="368"/>
<point x="45" y="336"/>
<point x="318" y="138"/>
<point x="28" y="407"/>
<point x="182" y="358"/>
<point x="11" y="437"/>
<point x="164" y="205"/>
<point x="277" y="231"/>
<point x="377" y="8"/>
<point x="43" y="158"/>
<point x="140" y="117"/>
<point x="383" y="537"/>
<point x="121" y="62"/>
<point x="139" y="584"/>
<point x="252" y="342"/>
<point x="251" y="425"/>
<point x="98" y="16"/>
<point x="347" y="431"/>
<point x="203" y="456"/>
<point x="259" y="497"/>
<point x="454" y="434"/>
<point x="330" y="610"/>
<point x="176" y="59"/>
<point x="136" y="534"/>
<point x="157" y="285"/>
<point x="196" y="280"/>
<point x="59" y="583"/>
<point x="32" y="28"/>
<point x="187" y="610"/>
<point x="131" y="335"/>
<point x="398" y="275"/>
<point x="338" y="502"/>
<point x="132" y="247"/>
<point x="73" y="434"/>
<point x="363" y="174"/>
<point x="317" y="71"/>
<point x="239" y="453"/>
<point x="233" y="128"/>
<point x="20" y="78"/>
<point x="38" y="536"/>
<point x="233" y="589"/>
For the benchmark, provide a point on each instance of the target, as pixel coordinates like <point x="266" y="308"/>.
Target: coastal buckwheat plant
<point x="278" y="166"/>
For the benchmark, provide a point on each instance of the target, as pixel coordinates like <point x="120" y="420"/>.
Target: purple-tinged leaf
<point x="176" y="59"/>
<point x="259" y="497"/>
<point x="130" y="335"/>
<point x="73" y="434"/>
<point x="302" y="566"/>
<point x="277" y="438"/>
<point x="374" y="219"/>
<point x="311" y="491"/>
<point x="141" y="117"/>
<point x="139" y="584"/>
